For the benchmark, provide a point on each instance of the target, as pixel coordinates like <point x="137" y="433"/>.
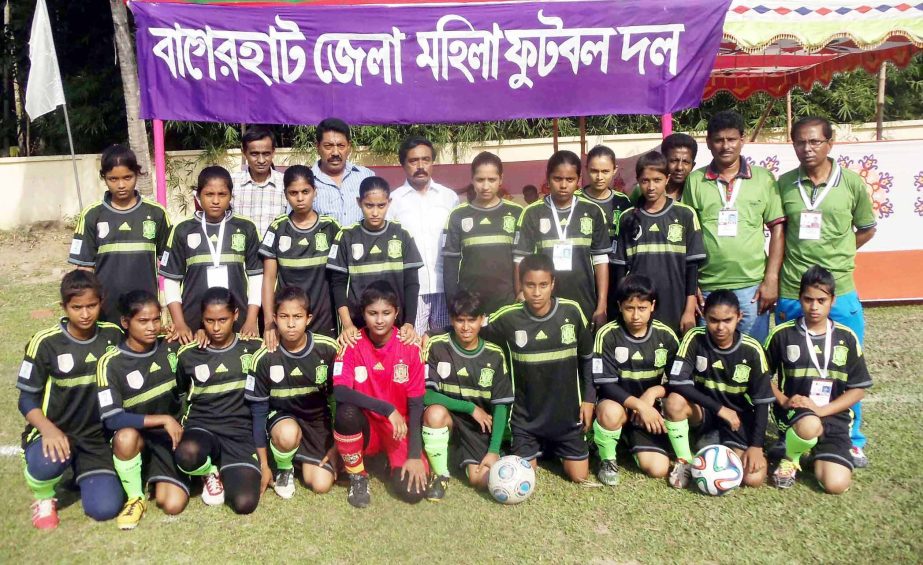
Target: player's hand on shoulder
<point x="182" y="333"/>
<point x="202" y="339"/>
<point x="271" y="339"/>
<point x="250" y="329"/>
<point x="483" y="418"/>
<point x="408" y="335"/>
<point x="349" y="337"/>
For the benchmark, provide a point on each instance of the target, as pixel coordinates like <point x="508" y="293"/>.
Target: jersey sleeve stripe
<point x="37" y="339"/>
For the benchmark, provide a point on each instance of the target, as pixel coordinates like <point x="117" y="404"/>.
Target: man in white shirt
<point x="258" y="191"/>
<point x="422" y="206"/>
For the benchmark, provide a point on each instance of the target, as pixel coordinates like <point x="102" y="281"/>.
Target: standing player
<point x="468" y="397"/>
<point x="478" y="250"/>
<point x="573" y="232"/>
<point x="601" y="168"/>
<point x="295" y="249"/>
<point x="218" y="428"/>
<point x="827" y="203"/>
<point x="629" y="361"/>
<point x="139" y="403"/>
<point x="551" y="348"/>
<point x="719" y="381"/>
<point x="212" y="249"/>
<point x="378" y="384"/>
<point x="375" y="249"/>
<point x="661" y="238"/>
<point x="57" y="396"/>
<point x="291" y="387"/>
<point x="821" y="373"/>
<point x="121" y="237"/>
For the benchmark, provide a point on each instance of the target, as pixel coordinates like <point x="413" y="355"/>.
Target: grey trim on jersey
<point x="222" y="350"/>
<point x="74" y="339"/>
<point x="308" y="348"/>
<point x="525" y="309"/>
<point x="739" y="339"/>
<point x="107" y="203"/>
<point x="682" y="383"/>
<point x="111" y="413"/>
<point x="137" y="355"/>
<point x="508" y="400"/>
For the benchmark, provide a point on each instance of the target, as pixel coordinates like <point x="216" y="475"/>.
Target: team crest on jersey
<point x="701" y="363"/>
<point x="65" y="362"/>
<point x="135" y="379"/>
<point x="395" y="249"/>
<point x="568" y="334"/>
<point x="102" y="229"/>
<point x="320" y="374"/>
<point x="840" y="353"/>
<point x="467" y="224"/>
<point x="660" y="357"/>
<point x="238" y="242"/>
<point x="193" y="240"/>
<point x="522" y="338"/>
<point x="361" y="374"/>
<point x="202" y="373"/>
<point x="544" y="225"/>
<point x="444" y="369"/>
<point x="321" y="243"/>
<point x="173" y="360"/>
<point x="509" y="224"/>
<point x="245" y="361"/>
<point x="675" y="233"/>
<point x="586" y="225"/>
<point x="285" y="243"/>
<point x="621" y="354"/>
<point x="792" y="353"/>
<point x="276" y="373"/>
<point x="741" y="373"/>
<point x="358" y="250"/>
<point x="487" y="377"/>
<point x="149" y="229"/>
<point x="401" y="373"/>
<point x="616" y="215"/>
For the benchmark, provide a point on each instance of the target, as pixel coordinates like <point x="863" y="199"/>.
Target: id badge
<point x="810" y="225"/>
<point x="727" y="222"/>
<point x="563" y="256"/>
<point x="821" y="389"/>
<point x="217" y="276"/>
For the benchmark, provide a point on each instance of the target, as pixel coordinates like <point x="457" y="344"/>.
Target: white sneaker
<point x="680" y="474"/>
<point x="859" y="459"/>
<point x="285" y="483"/>
<point x="213" y="490"/>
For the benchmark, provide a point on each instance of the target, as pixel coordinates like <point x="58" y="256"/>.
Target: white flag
<point x="44" y="91"/>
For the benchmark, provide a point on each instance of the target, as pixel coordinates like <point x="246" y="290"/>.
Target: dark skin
<point x="259" y="155"/>
<point x="333" y="150"/>
<point x="680" y="163"/>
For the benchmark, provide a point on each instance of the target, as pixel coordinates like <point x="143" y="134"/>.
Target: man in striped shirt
<point x="337" y="179"/>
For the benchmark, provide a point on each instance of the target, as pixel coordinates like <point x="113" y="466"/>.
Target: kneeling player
<point x="290" y="385"/>
<point x="138" y="400"/>
<point x="378" y="385"/>
<point x="469" y="393"/>
<point x="629" y="361"/>
<point x="551" y="349"/>
<point x="814" y="396"/>
<point x="719" y="382"/>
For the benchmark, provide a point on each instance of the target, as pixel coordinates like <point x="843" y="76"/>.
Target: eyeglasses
<point x="814" y="143"/>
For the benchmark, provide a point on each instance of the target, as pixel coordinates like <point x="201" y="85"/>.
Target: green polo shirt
<point x="846" y="206"/>
<point x="739" y="261"/>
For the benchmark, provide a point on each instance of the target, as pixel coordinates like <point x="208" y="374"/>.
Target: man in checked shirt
<point x="258" y="191"/>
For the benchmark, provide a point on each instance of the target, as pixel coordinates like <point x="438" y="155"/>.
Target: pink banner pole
<point x="666" y="124"/>
<point x="160" y="162"/>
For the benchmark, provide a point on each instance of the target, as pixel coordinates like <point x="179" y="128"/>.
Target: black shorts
<point x="316" y="438"/>
<point x="570" y="445"/>
<point x="833" y="445"/>
<point x="157" y="463"/>
<point x="232" y="447"/>
<point x="468" y="444"/>
<point x="640" y="440"/>
<point x="89" y="455"/>
<point x="711" y="423"/>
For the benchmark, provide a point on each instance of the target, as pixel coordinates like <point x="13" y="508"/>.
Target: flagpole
<point x="70" y="140"/>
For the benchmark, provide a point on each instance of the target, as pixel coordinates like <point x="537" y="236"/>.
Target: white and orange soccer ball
<point x="511" y="480"/>
<point x="717" y="470"/>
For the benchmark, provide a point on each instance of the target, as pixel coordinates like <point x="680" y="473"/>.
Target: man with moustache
<point x="258" y="191"/>
<point x="336" y="178"/>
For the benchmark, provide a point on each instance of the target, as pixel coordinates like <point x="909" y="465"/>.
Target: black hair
<point x="256" y="133"/>
<point x="562" y="157"/>
<point x="725" y="119"/>
<point x="331" y="124"/>
<point x="118" y="156"/>
<point x="652" y="160"/>
<point x="378" y="290"/>
<point x="530" y="188"/>
<point x="466" y="303"/>
<point x="536" y="262"/>
<point x="134" y="301"/>
<point x="77" y="282"/>
<point x="219" y="296"/>
<point x="486" y="158"/>
<point x="214" y="172"/>
<point x="293" y="294"/>
<point x="679" y="141"/>
<point x="296" y="172"/>
<point x="820" y="278"/>
<point x="413" y="142"/>
<point x="600" y="151"/>
<point x="808" y="121"/>
<point x="722" y="297"/>
<point x="369" y="184"/>
<point x="636" y="286"/>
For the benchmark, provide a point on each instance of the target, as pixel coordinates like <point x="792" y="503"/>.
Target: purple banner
<point x="403" y="64"/>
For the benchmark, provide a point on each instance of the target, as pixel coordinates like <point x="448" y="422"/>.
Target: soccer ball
<point x="717" y="470"/>
<point x="512" y="480"/>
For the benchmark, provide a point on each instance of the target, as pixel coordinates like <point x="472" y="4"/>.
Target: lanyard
<point x="215" y="250"/>
<point x="728" y="203"/>
<point x="811" y="203"/>
<point x="828" y="345"/>
<point x="562" y="230"/>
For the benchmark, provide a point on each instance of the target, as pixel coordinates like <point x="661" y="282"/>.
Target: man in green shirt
<point x="830" y="216"/>
<point x="734" y="200"/>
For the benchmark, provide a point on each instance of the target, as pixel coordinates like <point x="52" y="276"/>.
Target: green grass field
<point x="879" y="520"/>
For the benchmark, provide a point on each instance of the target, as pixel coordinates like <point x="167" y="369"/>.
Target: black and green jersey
<point x="588" y="233"/>
<point x="546" y="354"/>
<point x="477" y="376"/>
<point x="214" y="381"/>
<point x="633" y="363"/>
<point x="63" y="369"/>
<point x="188" y="258"/>
<point x="302" y="261"/>
<point x="296" y="383"/>
<point x="122" y="247"/>
<point x="661" y="246"/>
<point x="140" y="383"/>
<point x="736" y="377"/>
<point x="786" y="352"/>
<point x="612" y="207"/>
<point x="368" y="256"/>
<point x="482" y="238"/>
